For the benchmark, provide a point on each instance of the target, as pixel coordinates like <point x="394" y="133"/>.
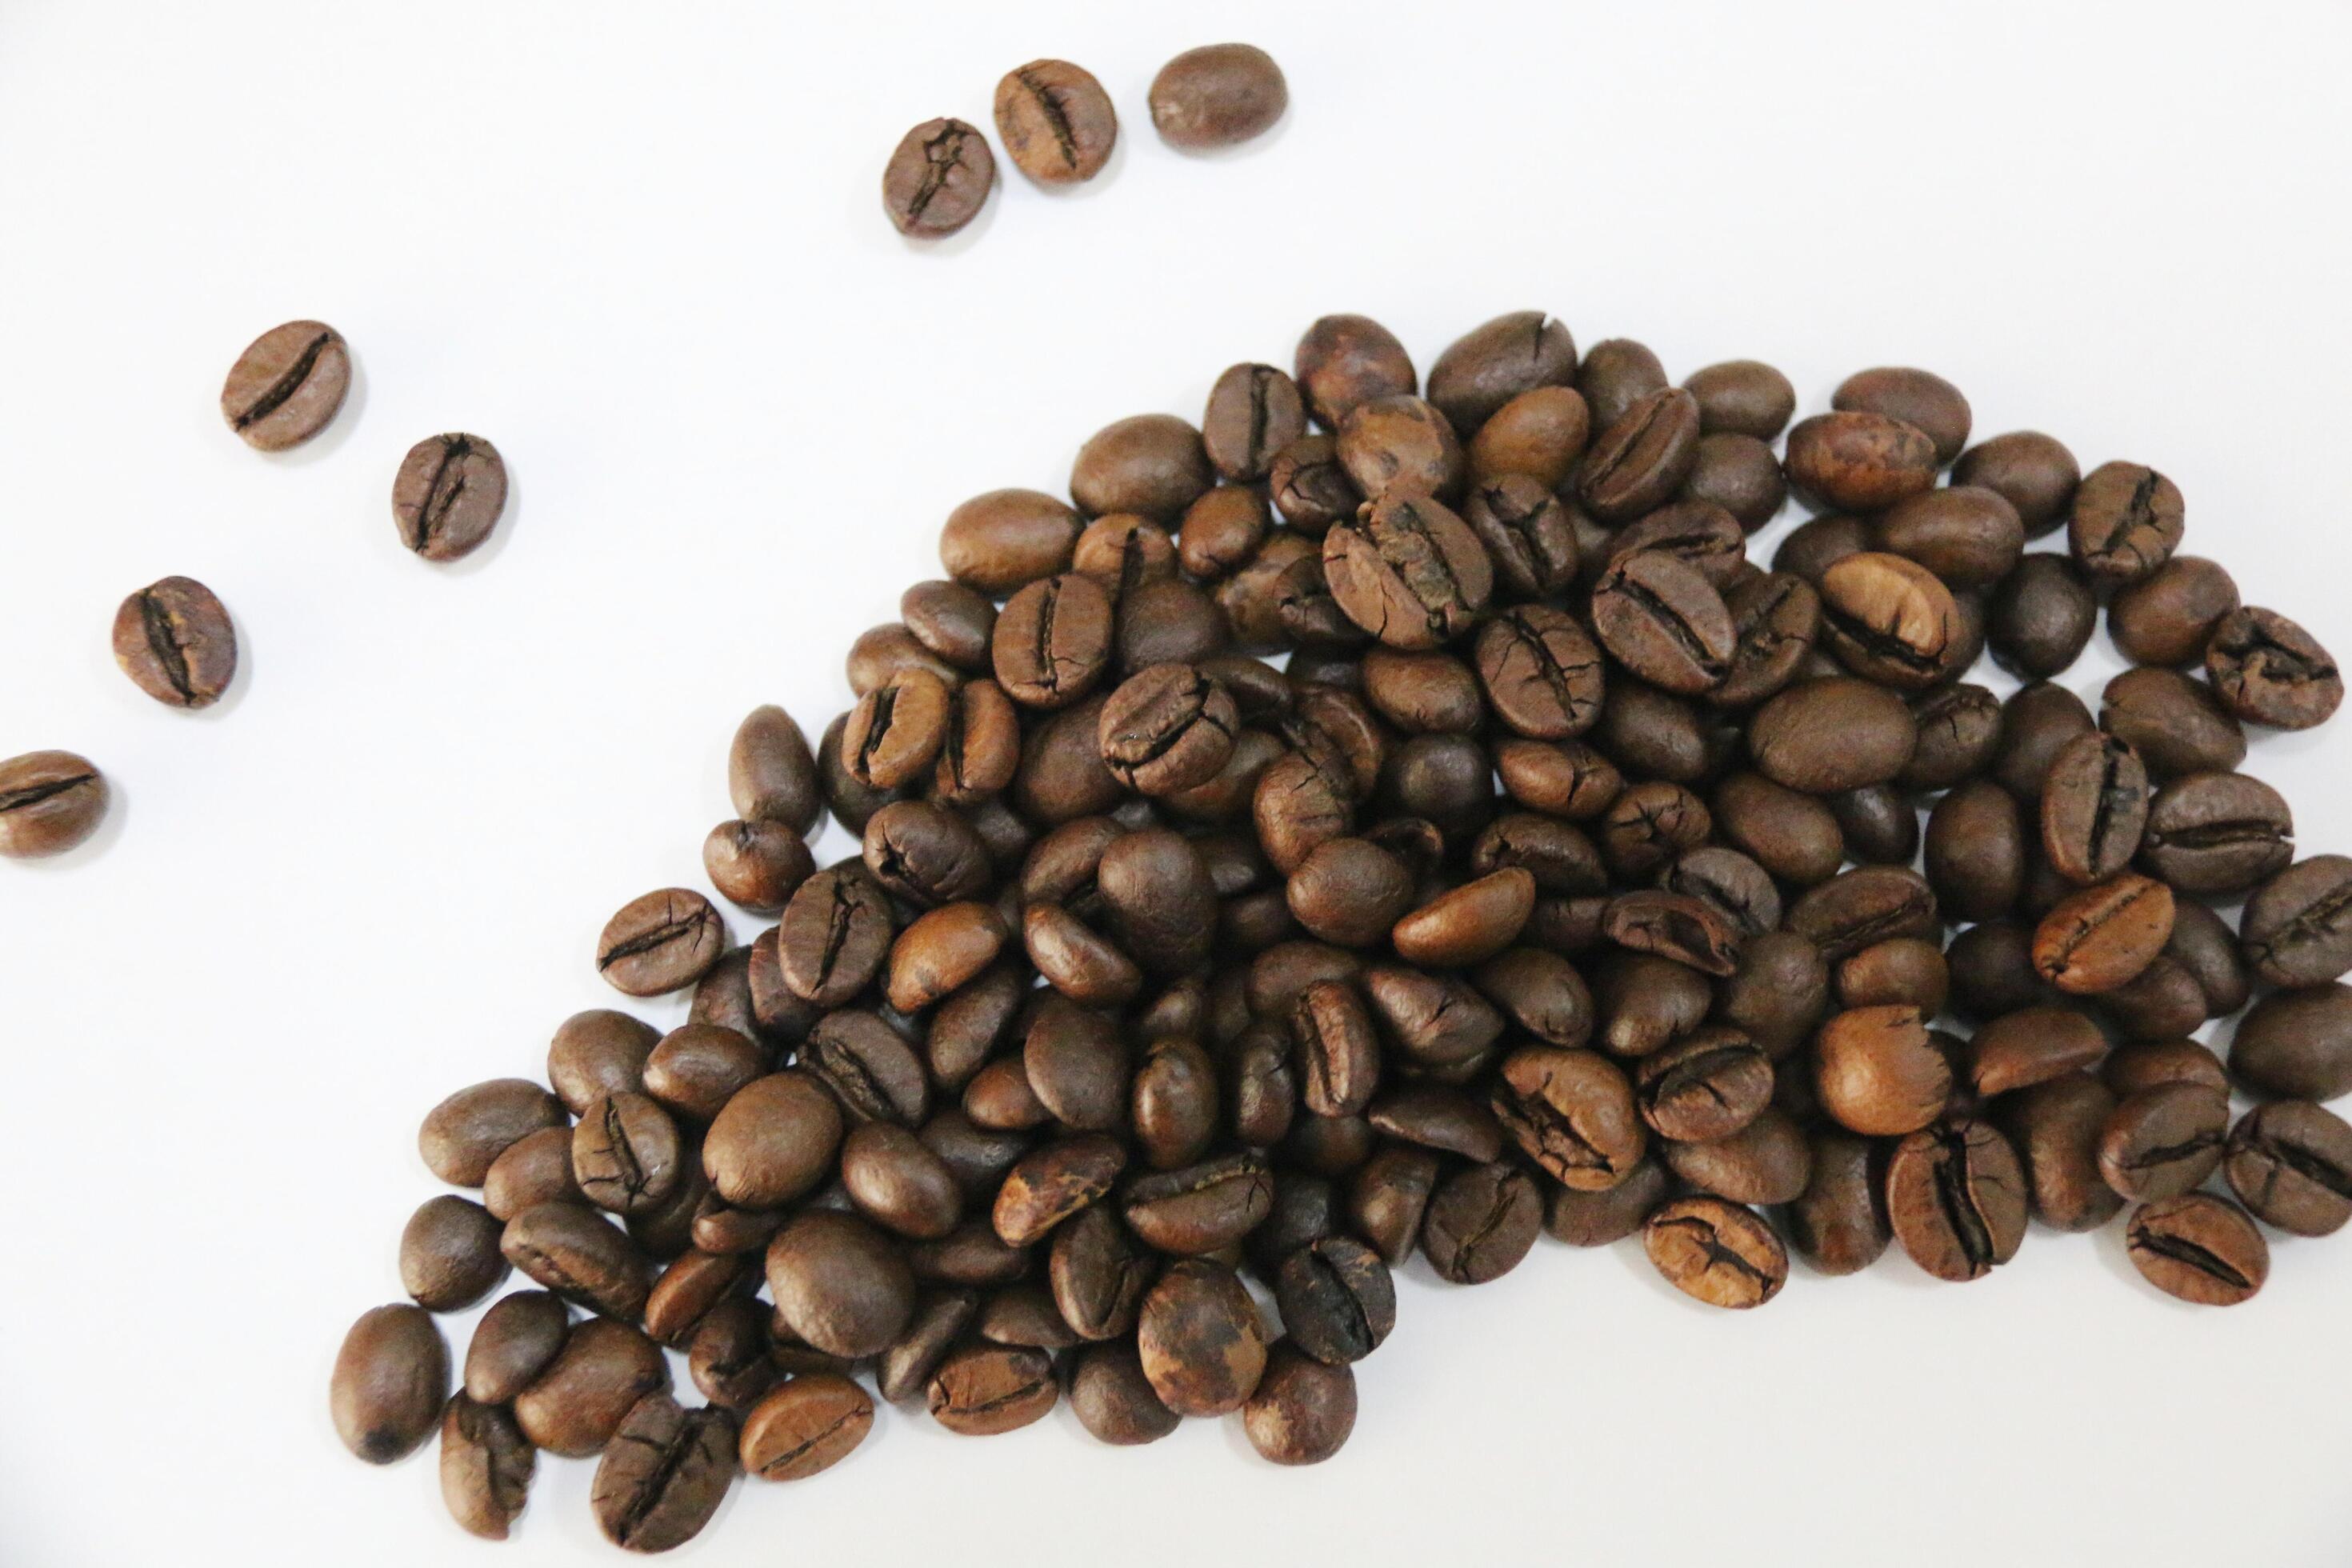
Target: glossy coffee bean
<point x="1747" y="397"/>
<point x="2168" y="618"/>
<point x="840" y="1284"/>
<point x="2198" y="1247"/>
<point x="1216" y="96"/>
<point x="461" y="1136"/>
<point x="50" y="802"/>
<point x="1716" y="1252"/>
<point x="1113" y="1399"/>
<point x="1640" y="460"/>
<point x="937" y="179"/>
<point x="486" y="1467"/>
<point x="1661" y="619"/>
<point x="2095" y="807"/>
<point x="2175" y="724"/>
<point x="2163" y="1141"/>
<point x="661" y="941"/>
<point x="287" y="386"/>
<point x="1878" y="1070"/>
<point x="2291" y="1164"/>
<point x="2041" y="617"/>
<point x="1303" y="1409"/>
<point x="773" y="1140"/>
<point x="1890" y="620"/>
<point x="1838" y="1224"/>
<point x="982" y="1390"/>
<point x="390" y="1377"/>
<point x="2100" y="938"/>
<point x="808" y="1425"/>
<point x="2268" y="670"/>
<point x="1857" y="460"/>
<point x="1790" y="736"/>
<point x="174" y="639"/>
<point x="577" y="1403"/>
<point x="664" y="1474"/>
<point x="449" y="1254"/>
<point x="2214" y="835"/>
<point x="1410" y="572"/>
<point x="2297" y="926"/>
<point x="1956" y="1199"/>
<point x="2035" y="473"/>
<point x="1055" y="121"/>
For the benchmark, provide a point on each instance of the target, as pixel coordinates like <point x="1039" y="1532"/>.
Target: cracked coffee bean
<point x="2269" y="670"/>
<point x="1337" y="1300"/>
<point x="937" y="179"/>
<point x="809" y="1425"/>
<point x="2291" y="1164"/>
<point x="174" y="641"/>
<point x="50" y="802"/>
<point x="1412" y="572"/>
<point x="661" y="941"/>
<point x="2125" y="523"/>
<point x="1716" y="1252"/>
<point x="2163" y="1141"/>
<point x="1057" y="120"/>
<point x="1956" y="1199"/>
<point x="287" y="386"/>
<point x="2198" y="1247"/>
<point x="448" y="495"/>
<point x="662" y="1474"/>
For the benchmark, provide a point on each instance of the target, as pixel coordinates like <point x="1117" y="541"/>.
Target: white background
<point x="640" y="247"/>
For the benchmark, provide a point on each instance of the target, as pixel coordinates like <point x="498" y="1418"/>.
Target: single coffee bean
<point x="1400" y="444"/>
<point x="1541" y="992"/>
<point x="1216" y="96"/>
<point x="1048" y="1186"/>
<point x="940" y="1320"/>
<point x="1838" y="1224"/>
<point x="2175" y="724"/>
<point x="2034" y="473"/>
<point x="1337" y="1300"/>
<point x="896" y="1181"/>
<point x="773" y="1141"/>
<point x="2297" y="1044"/>
<point x="626" y="1154"/>
<point x="449" y="1254"/>
<point x="1344" y="361"/>
<point x="1716" y="1252"/>
<point x="984" y="1389"/>
<point x="1200" y="1209"/>
<point x="1572" y="1112"/>
<point x="1665" y="622"/>
<point x="1541" y="674"/>
<point x="50" y="802"/>
<point x="1114" y="1400"/>
<point x="2268" y="670"/>
<point x="513" y="1344"/>
<point x="1601" y="1218"/>
<point x="2168" y="617"/>
<point x="486" y="1467"/>
<point x="174" y="641"/>
<point x="1303" y="1409"/>
<point x="868" y="1067"/>
<point x="1097" y="1274"/>
<point x="1410" y="572"/>
<point x="2032" y="1046"/>
<point x="1168" y="727"/>
<point x="1904" y="972"/>
<point x="1480" y="1222"/>
<point x="390" y="1380"/>
<point x="1150" y="465"/>
<point x="664" y="1474"/>
<point x="448" y="495"/>
<point x="287" y="386"/>
<point x="835" y="936"/>
<point x="574" y="1252"/>
<point x="1766" y="1162"/>
<point x="690" y="1288"/>
<point x="2214" y="835"/>
<point x="1878" y="1071"/>
<point x="1057" y="123"/>
<point x="2041" y="617"/>
<point x="1739" y="473"/>
<point x="661" y="941"/>
<point x="937" y="179"/>
<point x="1862" y="907"/>
<point x="2297" y="926"/>
<point x="1467" y="924"/>
<point x="1855" y="460"/>
<point x="2202" y="943"/>
<point x="1640" y="459"/>
<point x="1743" y="396"/>
<point x="1824" y="737"/>
<point x="882" y="652"/>
<point x="1968" y="536"/>
<point x="2095" y="807"/>
<point x="1492" y="364"/>
<point x="951" y="620"/>
<point x="2099" y="938"/>
<point x="2056" y="1127"/>
<point x="2164" y="1141"/>
<point x="1001" y="541"/>
<point x="2126" y="521"/>
<point x="809" y="1425"/>
<point x="575" y="1407"/>
<point x="1956" y="1199"/>
<point x="1389" y="1196"/>
<point x="1199" y="1339"/>
<point x="2198" y="1247"/>
<point x="1890" y="620"/>
<point x="2291" y="1164"/>
<point x="1958" y="728"/>
<point x="1777" y="994"/>
<point x="896" y="730"/>
<point x="1706" y="1086"/>
<point x="1538" y="436"/>
<point x="462" y="1135"/>
<point x="1774" y="621"/>
<point x="1255" y="411"/>
<point x="840" y="1284"/>
<point x="770" y="774"/>
<point x="756" y="865"/>
<point x="1339" y="1053"/>
<point x="1617" y="374"/>
<point x="1812" y="547"/>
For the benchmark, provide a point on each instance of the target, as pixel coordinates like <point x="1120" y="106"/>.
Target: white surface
<point x="640" y="248"/>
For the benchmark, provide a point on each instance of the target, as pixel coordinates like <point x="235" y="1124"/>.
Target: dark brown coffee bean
<point x="513" y="1344"/>
<point x="664" y="1474"/>
<point x="2268" y="670"/>
<point x="1467" y="924"/>
<point x="982" y="1390"/>
<point x="1410" y="572"/>
<point x="1098" y="1273"/>
<point x="1201" y="1344"/>
<point x="1057" y="123"/>
<point x="1778" y="993"/>
<point x="2297" y="1044"/>
<point x="1824" y="737"/>
<point x="1716" y="1252"/>
<point x="1346" y="360"/>
<point x="661" y="941"/>
<point x="1968" y="536"/>
<point x="1640" y="459"/>
<point x="1048" y="1186"/>
<point x="808" y="1425"/>
<point x="1617" y="374"/>
<point x="2198" y="1247"/>
<point x="1337" y="1300"/>
<point x="770" y="774"/>
<point x="1572" y="1112"/>
<point x="461" y="1136"/>
<point x="2175" y="724"/>
<point x="1766" y="1162"/>
<point x="1690" y="931"/>
<point x="2216" y="834"/>
<point x="1480" y="1222"/>
<point x="486" y="1467"/>
<point x="1812" y="547"/>
<point x="2201" y="943"/>
<point x="2291" y="1164"/>
<point x="897" y="1181"/>
<point x="1904" y="972"/>
<point x="1541" y="674"/>
<point x="1338" y="1054"/>
<point x="1838" y="1224"/>
<point x="1492" y="362"/>
<point x="1956" y="1199"/>
<point x="1665" y="622"/>
<point x="1200" y="1209"/>
<point x="926" y="854"/>
<point x="1168" y="727"/>
<point x="773" y="1141"/>
<point x="951" y="619"/>
<point x="1216" y="96"/>
<point x="390" y="1379"/>
<point x="1302" y="1410"/>
<point x="2297" y="926"/>
<point x="1150" y="465"/>
<point x="756" y="865"/>
<point x="50" y="802"/>
<point x="937" y="179"/>
<point x="2099" y="938"/>
<point x="2170" y="616"/>
<point x="1387" y="1198"/>
<point x="2164" y="1141"/>
<point x="868" y="1067"/>
<point x="944" y="950"/>
<point x="1113" y="1399"/>
<point x="835" y="936"/>
<point x="840" y="1284"/>
<point x="2056" y="1127"/>
<point x="1255" y="411"/>
<point x="1878" y="1070"/>
<point x="1860" y="461"/>
<point x="882" y="653"/>
<point x="574" y="1252"/>
<point x="1538" y="436"/>
<point x="1001" y="541"/>
<point x="1861" y="907"/>
<point x="690" y="1288"/>
<point x="575" y="1407"/>
<point x="1918" y="398"/>
<point x="2095" y="807"/>
<point x="941" y="1318"/>
<point x="2034" y="473"/>
<point x="1745" y="396"/>
<point x="1601" y="1218"/>
<point x="1706" y="1086"/>
<point x="2126" y="521"/>
<point x="1399" y="444"/>
<point x="1774" y="620"/>
<point x="174" y="639"/>
<point x="2041" y="617"/>
<point x="2032" y="1046"/>
<point x="449" y="1254"/>
<point x="626" y="1154"/>
<point x="287" y="386"/>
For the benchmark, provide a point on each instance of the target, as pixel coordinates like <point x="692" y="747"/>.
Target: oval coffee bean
<point x="1878" y="1071"/>
<point x="1917" y="398"/>
<point x="2297" y="1044"/>
<point x="1217" y="95"/>
<point x="2101" y="937"/>
<point x="1201" y="1341"/>
<point x="174" y="639"/>
<point x="390" y="1377"/>
<point x="2268" y="670"/>
<point x="1890" y="620"/>
<point x="1168" y="727"/>
<point x="448" y="495"/>
<point x="2297" y="926"/>
<point x="1860" y="461"/>
<point x="626" y="1154"/>
<point x="2216" y="834"/>
<point x="1410" y="572"/>
<point x="513" y="1344"/>
<point x="2198" y="1247"/>
<point x="1480" y="1222"/>
<point x="2126" y="521"/>
<point x="661" y="941"/>
<point x="664" y="1474"/>
<point x="937" y="179"/>
<point x="50" y="802"/>
<point x="1302" y="1410"/>
<point x="2095" y="807"/>
<point x="1665" y="622"/>
<point x="772" y="1141"/>
<point x="1056" y="122"/>
<point x="835" y="936"/>
<point x="1046" y="1187"/>
<point x="1337" y="1300"/>
<point x="840" y="1284"/>
<point x="449" y="1254"/>
<point x="2163" y="1141"/>
<point x="574" y="1252"/>
<point x="809" y="1425"/>
<point x="1716" y="1252"/>
<point x="1824" y="737"/>
<point x="462" y="1135"/>
<point x="287" y="386"/>
<point x="2291" y="1164"/>
<point x="1956" y="1199"/>
<point x="1838" y="1222"/>
<point x="486" y="1467"/>
<point x="984" y="1389"/>
<point x="1200" y="1209"/>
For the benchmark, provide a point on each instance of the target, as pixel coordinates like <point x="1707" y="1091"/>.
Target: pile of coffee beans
<point x="1058" y="126"/>
<point x="175" y="639"/>
<point x="1396" y="817"/>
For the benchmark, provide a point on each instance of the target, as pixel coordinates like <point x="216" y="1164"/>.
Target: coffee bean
<point x="2101" y="937"/>
<point x="1410" y="572"/>
<point x="462" y="1135"/>
<point x="2056" y="1127"/>
<point x="626" y="1154"/>
<point x="773" y="1141"/>
<point x="770" y="774"/>
<point x="1822" y="737"/>
<point x="840" y="1284"/>
<point x="1467" y="924"/>
<point x="486" y="1467"/>
<point x="896" y="1181"/>
<point x="50" y="802"/>
<point x="2201" y="943"/>
<point x="2297" y="926"/>
<point x="835" y="936"/>
<point x="2198" y="1247"/>
<point x="1890" y="620"/>
<point x="448" y="495"/>
<point x="513" y="1344"/>
<point x="1056" y="122"/>
<point x="982" y="1390"/>
<point x="2126" y="521"/>
<point x="1665" y="622"/>
<point x="1918" y="398"/>
<point x="1480" y="1222"/>
<point x="2033" y="472"/>
<point x="1400" y="444"/>
<point x="756" y="865"/>
<point x="574" y="1252"/>
<point x="1857" y="460"/>
<point x="1114" y="1401"/>
<point x="1958" y="727"/>
<point x="690" y="1288"/>
<point x="661" y="941"/>
<point x="1048" y="1186"/>
<point x="1812" y="547"/>
<point x="2269" y="670"/>
<point x="1706" y="1086"/>
<point x="1337" y="1300"/>
<point x="2032" y="1045"/>
<point x="1864" y="906"/>
<point x="1302" y="1410"/>
<point x="2297" y="1044"/>
<point x="1255" y="411"/>
<point x="1640" y="459"/>
<point x="1541" y="674"/>
<point x="664" y="1474"/>
<point x="287" y="386"/>
<point x="1168" y="727"/>
<point x="1200" y="1341"/>
<point x="1001" y="541"/>
<point x="1617" y="374"/>
<point x="1878" y="1071"/>
<point x="1978" y="854"/>
<point x="1492" y="364"/>
<point x="1216" y="96"/>
<point x="2168" y="618"/>
<point x="2095" y="807"/>
<point x="1200" y="1208"/>
<point x="174" y="641"/>
<point x="2163" y="1141"/>
<point x="1957" y="1198"/>
<point x="809" y="1425"/>
<point x="1838" y="1224"/>
<point x="2216" y="834"/>
<point x="937" y="179"/>
<point x="574" y="1405"/>
<point x="2041" y="617"/>
<point x="1716" y="1252"/>
<point x="1538" y="436"/>
<point x="1743" y="396"/>
<point x="449" y="1254"/>
<point x="2175" y="724"/>
<point x="390" y="1379"/>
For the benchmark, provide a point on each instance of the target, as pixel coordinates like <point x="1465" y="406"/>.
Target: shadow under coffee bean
<point x="1560" y="880"/>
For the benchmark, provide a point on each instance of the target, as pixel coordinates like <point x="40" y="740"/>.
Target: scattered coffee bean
<point x="174" y="641"/>
<point x="1217" y="95"/>
<point x="448" y="495"/>
<point x="287" y="386"/>
<point x="937" y="179"/>
<point x="2198" y="1247"/>
<point x="1057" y="120"/>
<point x="50" y="802"/>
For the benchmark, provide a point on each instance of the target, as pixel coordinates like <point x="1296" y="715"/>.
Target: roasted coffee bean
<point x="1690" y="931"/>
<point x="1424" y="693"/>
<point x="1001" y="541"/>
<point x="773" y="1141"/>
<point x="1537" y="436"/>
<point x="1541" y="992"/>
<point x="1878" y="1070"/>
<point x="942" y="951"/>
<point x="2198" y="1247"/>
<point x="2291" y="1164"/>
<point x="1643" y="1002"/>
<point x="834" y="935"/>
<point x="287" y="386"/>
<point x="1151" y="465"/>
<point x="2168" y="618"/>
<point x="1468" y="924"/>
<point x="1046" y="1187"/>
<point x="1774" y="619"/>
<point x="1617" y="374"/>
<point x="2033" y="472"/>
<point x="513" y="1344"/>
<point x="1350" y="891"/>
<point x="1113" y="1399"/>
<point x="1958" y="728"/>
<point x="2095" y="807"/>
<point x="2126" y="521"/>
<point x="174" y="639"/>
<point x="2041" y="617"/>
<point x="626" y="1154"/>
<point x="449" y="1254"/>
<point x="690" y="1289"/>
<point x="664" y="1474"/>
<point x="1744" y="396"/>
<point x="448" y="495"/>
<point x="1856" y="460"/>
<point x="2175" y="724"/>
<point x="1336" y="1301"/>
<point x="840" y="1284"/>
<point x="1572" y="1112"/>
<point x="941" y="1318"/>
<point x="1766" y="1162"/>
<point x="1956" y="1199"/>
<point x="50" y="802"/>
<point x="1700" y="533"/>
<point x="1599" y="1220"/>
<point x="2163" y="1141"/>
<point x="1255" y="411"/>
<point x="1492" y="364"/>
<point x="2297" y="1044"/>
<point x="937" y="179"/>
<point x="660" y="943"/>
<point x="897" y="1181"/>
<point x="951" y="619"/>
<point x="1640" y="459"/>
<point x="2216" y="834"/>
<point x="2056" y="1127"/>
<point x="1387" y="1198"/>
<point x="1890" y="620"/>
<point x="1739" y="474"/>
<point x="390" y="1380"/>
<point x="1706" y="1086"/>
<point x="1968" y="537"/>
<point x="882" y="653"/>
<point x="1777" y="994"/>
<point x="1480" y="1222"/>
<point x="2269" y="670"/>
<point x="2297" y="926"/>
<point x="926" y="854"/>
<point x="1097" y="1274"/>
<point x="575" y="1407"/>
<point x="2032" y="1045"/>
<point x="1904" y="971"/>
<point x="2099" y="938"/>
<point x="2146" y="1064"/>
<point x="1217" y="95"/>
<point x="1200" y="1209"/>
<point x="1344" y="361"/>
<point x="1168" y="727"/>
<point x="1812" y="548"/>
<point x="1541" y="674"/>
<point x="462" y="1135"/>
<point x="576" y="1253"/>
<point x="1057" y="123"/>
<point x="1794" y="837"/>
<point x="1302" y="1410"/>
<point x="1824" y="737"/>
<point x="1199" y="1340"/>
<point x="1716" y="1252"/>
<point x="770" y="774"/>
<point x="1861" y="907"/>
<point x="486" y="1467"/>
<point x="1663" y="621"/>
<point x="1917" y="398"/>
<point x="1337" y="1052"/>
<point x="1412" y="572"/>
<point x="1399" y="444"/>
<point x="756" y="865"/>
<point x="809" y="1425"/>
<point x="1838" y="1224"/>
